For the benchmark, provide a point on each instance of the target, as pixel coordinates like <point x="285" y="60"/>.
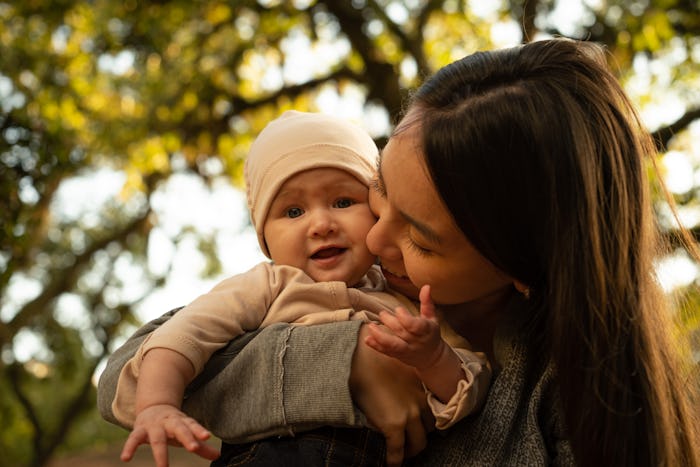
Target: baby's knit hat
<point x="298" y="141"/>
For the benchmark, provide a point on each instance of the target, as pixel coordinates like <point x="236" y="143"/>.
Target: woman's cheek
<point x="421" y="274"/>
<point x="414" y="271"/>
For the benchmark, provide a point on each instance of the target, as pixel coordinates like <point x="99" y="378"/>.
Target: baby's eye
<point x="344" y="203"/>
<point x="294" y="212"/>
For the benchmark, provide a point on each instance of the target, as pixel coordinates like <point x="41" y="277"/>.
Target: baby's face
<point x="318" y="222"/>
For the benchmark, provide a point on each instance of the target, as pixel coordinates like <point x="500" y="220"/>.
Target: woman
<point x="516" y="187"/>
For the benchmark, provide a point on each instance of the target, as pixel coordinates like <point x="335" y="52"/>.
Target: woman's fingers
<point x="390" y="395"/>
<point x="395" y="445"/>
<point x="407" y="438"/>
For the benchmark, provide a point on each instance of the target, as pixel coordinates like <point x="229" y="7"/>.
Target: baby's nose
<point x="322" y="223"/>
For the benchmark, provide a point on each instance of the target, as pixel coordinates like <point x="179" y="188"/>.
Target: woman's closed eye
<point x="416" y="247"/>
<point x="377" y="186"/>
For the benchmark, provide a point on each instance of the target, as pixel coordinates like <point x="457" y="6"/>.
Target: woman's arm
<point x="288" y="379"/>
<point x="283" y="379"/>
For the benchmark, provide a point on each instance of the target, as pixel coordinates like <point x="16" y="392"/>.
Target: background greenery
<point x="155" y="89"/>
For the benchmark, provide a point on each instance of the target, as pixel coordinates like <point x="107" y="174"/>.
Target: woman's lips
<point x="393" y="277"/>
<point x="388" y="272"/>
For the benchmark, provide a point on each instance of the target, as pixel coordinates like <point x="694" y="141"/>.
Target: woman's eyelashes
<point x="377" y="185"/>
<point x="416" y="247"/>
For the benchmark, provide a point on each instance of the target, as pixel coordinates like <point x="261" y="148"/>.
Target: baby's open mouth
<point x="327" y="253"/>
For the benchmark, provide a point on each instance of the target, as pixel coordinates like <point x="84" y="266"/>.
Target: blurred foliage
<point x="152" y="89"/>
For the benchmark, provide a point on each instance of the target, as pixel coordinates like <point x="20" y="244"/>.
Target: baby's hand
<point x="160" y="425"/>
<point x="415" y="340"/>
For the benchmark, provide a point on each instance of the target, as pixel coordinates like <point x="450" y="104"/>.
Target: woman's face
<point x="416" y="237"/>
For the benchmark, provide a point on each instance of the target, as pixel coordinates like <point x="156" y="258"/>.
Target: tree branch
<point x="14" y="371"/>
<point x="379" y="76"/>
<point x="410" y="42"/>
<point x="78" y="405"/>
<point x="66" y="278"/>
<point x="239" y="105"/>
<point x="663" y="135"/>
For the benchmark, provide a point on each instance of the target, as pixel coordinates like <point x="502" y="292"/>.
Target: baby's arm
<point x="159" y="421"/>
<point x="416" y="341"/>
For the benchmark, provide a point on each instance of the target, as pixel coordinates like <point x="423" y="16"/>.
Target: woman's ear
<point x="522" y="288"/>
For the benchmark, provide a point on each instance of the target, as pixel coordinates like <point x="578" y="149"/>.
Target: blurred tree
<point x="152" y="89"/>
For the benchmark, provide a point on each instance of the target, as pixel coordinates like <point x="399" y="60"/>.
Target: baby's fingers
<point x="383" y="341"/>
<point x="427" y="307"/>
<point x="192" y="436"/>
<point x="188" y="433"/>
<point x="135" y="439"/>
<point x="403" y="324"/>
<point x="391" y="321"/>
<point x="156" y="438"/>
<point x="206" y="451"/>
<point x="159" y="446"/>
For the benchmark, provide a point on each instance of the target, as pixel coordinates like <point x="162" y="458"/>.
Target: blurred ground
<point x="109" y="457"/>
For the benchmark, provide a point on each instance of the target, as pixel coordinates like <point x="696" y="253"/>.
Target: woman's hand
<point x="392" y="398"/>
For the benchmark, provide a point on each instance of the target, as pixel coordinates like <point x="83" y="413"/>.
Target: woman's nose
<point x="379" y="242"/>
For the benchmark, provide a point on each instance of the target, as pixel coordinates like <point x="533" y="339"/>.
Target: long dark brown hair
<point x="543" y="161"/>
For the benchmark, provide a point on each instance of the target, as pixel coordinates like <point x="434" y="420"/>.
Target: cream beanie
<point x="298" y="141"/>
